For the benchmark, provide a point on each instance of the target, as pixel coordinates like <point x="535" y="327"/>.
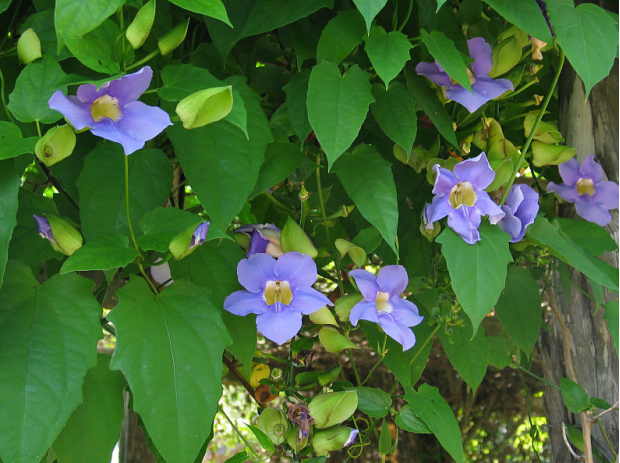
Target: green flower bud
<point x="296" y="439"/>
<point x="546" y="132"/>
<point x="140" y="27"/>
<point x="357" y="254"/>
<point x="506" y="55"/>
<point x="277" y="374"/>
<point x="332" y="408"/>
<point x="205" y="106"/>
<point x="66" y="238"/>
<point x="333" y="439"/>
<point x="429" y="230"/>
<point x="28" y="47"/>
<point x="294" y="238"/>
<point x="344" y="304"/>
<point x="323" y="316"/>
<point x="55" y="145"/>
<point x="503" y="171"/>
<point x="545" y="155"/>
<point x="416" y="158"/>
<point x="275" y="424"/>
<point x="185" y="242"/>
<point x="333" y="341"/>
<point x="174" y="38"/>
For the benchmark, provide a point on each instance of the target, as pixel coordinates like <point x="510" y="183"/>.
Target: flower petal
<point x="569" y="171"/>
<point x="399" y="333"/>
<point x="364" y="310"/>
<point x="405" y="312"/>
<point x="486" y="206"/>
<point x="366" y="283"/>
<point x="607" y="194"/>
<point x="244" y="302"/>
<point x="77" y="113"/>
<point x="308" y="300"/>
<point x="434" y="73"/>
<point x="591" y="169"/>
<point x="88" y="93"/>
<point x="511" y="225"/>
<point x="143" y="122"/>
<point x="476" y="171"/>
<point x="255" y="271"/>
<point x="482" y="54"/>
<point x="445" y="180"/>
<point x="566" y="192"/>
<point x="130" y="87"/>
<point x="491" y="88"/>
<point x="258" y="243"/>
<point x="471" y="101"/>
<point x="439" y="208"/>
<point x="593" y="212"/>
<point x="279" y="325"/>
<point x="298" y="269"/>
<point x="106" y="128"/>
<point x="393" y="279"/>
<point x="461" y="222"/>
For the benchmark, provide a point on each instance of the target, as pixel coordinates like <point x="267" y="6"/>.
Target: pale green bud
<point x="344" y="304"/>
<point x="205" y="106"/>
<point x="323" y="316"/>
<point x="28" y="47"/>
<point x="546" y="155"/>
<point x="55" y="145"/>
<point x="174" y="38"/>
<point x="140" y="27"/>
<point x="185" y="242"/>
<point x="332" y="408"/>
<point x="294" y="238"/>
<point x="333" y="341"/>
<point x="506" y="55"/>
<point x="357" y="254"/>
<point x="334" y="439"/>
<point x="67" y="239"/>
<point x="275" y="424"/>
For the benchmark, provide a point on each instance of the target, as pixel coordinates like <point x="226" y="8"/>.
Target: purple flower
<point x="584" y="186"/>
<point x="278" y="291"/>
<point x="112" y="112"/>
<point x="461" y="197"/>
<point x="484" y="88"/>
<point x="199" y="236"/>
<point x="264" y="238"/>
<point x="44" y="228"/>
<point x="383" y="305"/>
<point x="521" y="208"/>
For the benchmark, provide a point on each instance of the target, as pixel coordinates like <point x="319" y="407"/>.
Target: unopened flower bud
<point x="55" y="145"/>
<point x="334" y="439"/>
<point x="544" y="154"/>
<point x="174" y="38"/>
<point x="506" y="55"/>
<point x="259" y="238"/>
<point x="534" y="68"/>
<point x="429" y="229"/>
<point x="275" y="424"/>
<point x="63" y="237"/>
<point x="303" y="193"/>
<point x="28" y="47"/>
<point x="185" y="242"/>
<point x="140" y="27"/>
<point x="205" y="106"/>
<point x="294" y="238"/>
<point x="332" y="408"/>
<point x="277" y="374"/>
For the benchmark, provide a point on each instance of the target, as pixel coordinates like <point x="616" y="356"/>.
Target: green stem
<point x="372" y="370"/>
<point x="279" y="203"/>
<point x="6" y="109"/>
<point x="426" y="341"/>
<point x="221" y="410"/>
<point x="541" y="112"/>
<point x="38" y="128"/>
<point x="529" y="413"/>
<point x="525" y="370"/>
<point x="406" y="19"/>
<point x="355" y="372"/>
<point x="147" y="58"/>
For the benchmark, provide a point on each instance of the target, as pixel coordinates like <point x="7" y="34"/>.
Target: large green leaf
<point x="169" y="347"/>
<point x="526" y="15"/>
<point x="102" y="190"/>
<point x="368" y="180"/>
<point x="588" y="36"/>
<point x="544" y="233"/>
<point x="104" y="253"/>
<point x="519" y="308"/>
<point x="252" y="17"/>
<point x="468" y="356"/>
<point x="337" y="106"/>
<point x="9" y="186"/>
<point x="573" y="396"/>
<point x="394" y="111"/>
<point x="388" y="52"/>
<point x="591" y="237"/>
<point x="212" y="8"/>
<point x="214" y="266"/>
<point x="296" y="92"/>
<point x="280" y="160"/>
<point x="97" y="49"/>
<point x="94" y="427"/>
<point x="75" y="18"/>
<point x="369" y="9"/>
<point x="430" y="407"/>
<point x="161" y="225"/>
<point x="340" y="36"/>
<point x="33" y="89"/>
<point x="449" y="58"/>
<point x="478" y="270"/>
<point x="12" y="143"/>
<point x="48" y="340"/>
<point x="373" y="402"/>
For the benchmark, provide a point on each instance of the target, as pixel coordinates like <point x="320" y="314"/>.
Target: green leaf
<point x="430" y="407"/>
<point x="48" y="339"/>
<point x="96" y="49"/>
<point x="544" y="233"/>
<point x="169" y="347"/>
<point x="281" y="159"/>
<point x="431" y="105"/>
<point x="264" y="440"/>
<point x="161" y="225"/>
<point x="9" y="187"/>
<point x="611" y="316"/>
<point x="34" y="87"/>
<point x="573" y="395"/>
<point x="591" y="237"/>
<point x="367" y="179"/>
<point x="75" y="18"/>
<point x="449" y="58"/>
<point x="587" y="34"/>
<point x="11" y="142"/>
<point x="369" y="9"/>
<point x="519" y="308"/>
<point x="373" y="402"/>
<point x="94" y="427"/>
<point x="408" y="421"/>
<point x="478" y="270"/>
<point x="239" y="458"/>
<point x="102" y="190"/>
<point x="394" y="111"/>
<point x="296" y="92"/>
<point x="105" y="253"/>
<point x="340" y="36"/>
<point x="501" y="350"/>
<point x="526" y="15"/>
<point x="468" y="356"/>
<point x="212" y="8"/>
<point x="385" y="440"/>
<point x="388" y="52"/>
<point x="337" y="106"/>
<point x="214" y="265"/>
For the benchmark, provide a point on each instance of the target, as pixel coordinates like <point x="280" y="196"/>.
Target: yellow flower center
<point x="382" y="301"/>
<point x="462" y="193"/>
<point x="585" y="186"/>
<point x="278" y="291"/>
<point x="105" y="106"/>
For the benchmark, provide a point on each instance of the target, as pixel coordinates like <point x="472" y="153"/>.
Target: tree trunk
<point x="590" y="126"/>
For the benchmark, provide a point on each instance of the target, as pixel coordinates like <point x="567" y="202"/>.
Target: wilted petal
<point x="434" y="73"/>
<point x="482" y="54"/>
<point x="393" y="279"/>
<point x="607" y="194"/>
<point x="569" y="171"/>
<point x="476" y="171"/>
<point x="398" y="332"/>
<point x="77" y="113"/>
<point x="143" y="122"/>
<point x="308" y="300"/>
<point x="364" y="310"/>
<point x="591" y="169"/>
<point x="130" y="87"/>
<point x="255" y="271"/>
<point x="279" y="325"/>
<point x="298" y="269"/>
<point x="366" y="283"/>
<point x="244" y="302"/>
<point x="445" y="180"/>
<point x="593" y="212"/>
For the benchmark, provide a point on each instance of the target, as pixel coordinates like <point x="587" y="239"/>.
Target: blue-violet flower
<point x="461" y="197"/>
<point x="383" y="305"/>
<point x="278" y="292"/>
<point x="584" y="186"/>
<point x="113" y="112"/>
<point x="521" y="208"/>
<point x="44" y="228"/>
<point x="264" y="238"/>
<point x="484" y="87"/>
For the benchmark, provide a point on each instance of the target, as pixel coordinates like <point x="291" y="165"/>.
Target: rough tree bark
<point x="590" y="126"/>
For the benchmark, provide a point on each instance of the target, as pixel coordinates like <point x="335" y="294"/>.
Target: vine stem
<point x="372" y="370"/>
<point x="426" y="341"/>
<point x="541" y="112"/>
<point x="6" y="108"/>
<point x="147" y="58"/>
<point x="221" y="410"/>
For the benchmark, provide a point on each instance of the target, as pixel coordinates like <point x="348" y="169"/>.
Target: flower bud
<point x="333" y="341"/>
<point x="503" y="171"/>
<point x="63" y="237"/>
<point x="140" y="27"/>
<point x="205" y="106"/>
<point x="259" y="238"/>
<point x="174" y="38"/>
<point x="545" y="155"/>
<point x="334" y="439"/>
<point x="357" y="254"/>
<point x="323" y="316"/>
<point x="344" y="304"/>
<point x="277" y="374"/>
<point x="416" y="158"/>
<point x="429" y="230"/>
<point x="185" y="242"/>
<point x="273" y="423"/>
<point x="28" y="47"/>
<point x="506" y="55"/>
<point x="294" y="238"/>
<point x="55" y="145"/>
<point x="332" y="408"/>
<point x="546" y="132"/>
<point x="296" y="438"/>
